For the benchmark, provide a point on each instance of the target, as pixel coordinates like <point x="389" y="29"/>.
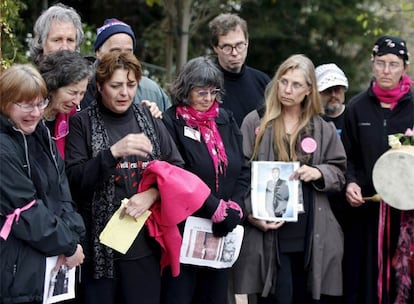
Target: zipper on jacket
<point x="51" y="150"/>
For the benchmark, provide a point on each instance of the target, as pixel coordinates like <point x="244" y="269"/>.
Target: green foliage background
<point x="12" y="46"/>
<point x="340" y="31"/>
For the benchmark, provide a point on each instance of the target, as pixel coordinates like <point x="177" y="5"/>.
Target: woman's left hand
<point x="77" y="258"/>
<point x="306" y="173"/>
<point x="140" y="202"/>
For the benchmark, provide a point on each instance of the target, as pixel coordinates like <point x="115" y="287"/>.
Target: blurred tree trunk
<point x="184" y="17"/>
<point x="183" y="29"/>
<point x="169" y="39"/>
<point x="178" y="14"/>
<point x="44" y="5"/>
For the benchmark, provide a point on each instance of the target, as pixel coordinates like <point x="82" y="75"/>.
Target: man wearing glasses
<point x="243" y="86"/>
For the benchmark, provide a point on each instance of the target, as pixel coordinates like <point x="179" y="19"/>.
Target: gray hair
<point x="223" y="24"/>
<point x="64" y="68"/>
<point x="197" y="72"/>
<point x="41" y="29"/>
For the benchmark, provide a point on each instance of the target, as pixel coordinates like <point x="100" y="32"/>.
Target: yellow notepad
<point x="119" y="234"/>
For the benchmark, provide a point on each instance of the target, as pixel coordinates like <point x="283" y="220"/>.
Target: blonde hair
<point x="272" y="117"/>
<point x="20" y="83"/>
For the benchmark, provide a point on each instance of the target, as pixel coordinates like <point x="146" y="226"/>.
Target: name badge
<point x="192" y="133"/>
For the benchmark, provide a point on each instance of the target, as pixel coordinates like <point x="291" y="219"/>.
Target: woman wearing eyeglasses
<point x="37" y="218"/>
<point x="294" y="262"/>
<point x="210" y="143"/>
<point x="386" y="107"/>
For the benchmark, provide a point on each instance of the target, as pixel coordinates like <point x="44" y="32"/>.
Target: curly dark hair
<point x="197" y="72"/>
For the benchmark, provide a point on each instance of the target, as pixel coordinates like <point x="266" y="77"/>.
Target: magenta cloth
<point x="13" y="217"/>
<point x="221" y="211"/>
<point x="57" y="136"/>
<point x="181" y="194"/>
<point x="206" y="123"/>
<point x="392" y="96"/>
<point x="404" y="258"/>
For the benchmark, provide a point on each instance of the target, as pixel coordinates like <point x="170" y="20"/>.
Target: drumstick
<point x="374" y="198"/>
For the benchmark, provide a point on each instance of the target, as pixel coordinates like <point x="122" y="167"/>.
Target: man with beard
<point x="332" y="85"/>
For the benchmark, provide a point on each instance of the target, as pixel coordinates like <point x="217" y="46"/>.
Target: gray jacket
<point x="257" y="264"/>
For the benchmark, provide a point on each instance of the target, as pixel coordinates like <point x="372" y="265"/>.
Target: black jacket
<point x="365" y="138"/>
<point x="31" y="169"/>
<point x="365" y="134"/>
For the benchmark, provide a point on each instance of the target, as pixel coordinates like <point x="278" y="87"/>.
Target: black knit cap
<point x="391" y="45"/>
<point x="111" y="27"/>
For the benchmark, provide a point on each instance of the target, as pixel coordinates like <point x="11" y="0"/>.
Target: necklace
<point x="48" y="117"/>
<point x="290" y="125"/>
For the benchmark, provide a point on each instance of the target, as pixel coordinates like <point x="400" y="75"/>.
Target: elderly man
<point x="57" y="28"/>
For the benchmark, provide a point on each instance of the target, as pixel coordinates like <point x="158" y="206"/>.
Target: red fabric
<point x="392" y="96"/>
<point x="384" y="228"/>
<point x="403" y="260"/>
<point x="181" y="194"/>
<point x="221" y="211"/>
<point x="60" y="140"/>
<point x="206" y="123"/>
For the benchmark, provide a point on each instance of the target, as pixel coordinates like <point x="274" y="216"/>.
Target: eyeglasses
<point x="204" y="93"/>
<point x="228" y="49"/>
<point x="28" y="107"/>
<point x="294" y="85"/>
<point x="381" y="65"/>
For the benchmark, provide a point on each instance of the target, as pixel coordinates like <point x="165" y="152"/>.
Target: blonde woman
<point x="301" y="261"/>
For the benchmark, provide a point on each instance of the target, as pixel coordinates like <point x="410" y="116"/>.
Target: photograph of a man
<point x="277" y="194"/>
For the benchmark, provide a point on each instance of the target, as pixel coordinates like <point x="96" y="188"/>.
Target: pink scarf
<point x="403" y="257"/>
<point x="206" y="124"/>
<point x="392" y="96"/>
<point x="61" y="130"/>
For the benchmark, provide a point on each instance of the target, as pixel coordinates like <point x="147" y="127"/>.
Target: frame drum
<point x="393" y="177"/>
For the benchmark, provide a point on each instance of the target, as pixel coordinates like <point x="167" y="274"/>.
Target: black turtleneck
<point x="244" y="91"/>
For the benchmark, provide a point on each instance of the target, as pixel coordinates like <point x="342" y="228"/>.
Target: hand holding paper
<point x="119" y="234"/>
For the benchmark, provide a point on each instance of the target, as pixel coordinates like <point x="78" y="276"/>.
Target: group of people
<point x="77" y="138"/>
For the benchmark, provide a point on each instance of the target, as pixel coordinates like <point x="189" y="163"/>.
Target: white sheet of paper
<point x="201" y="247"/>
<point x="120" y="234"/>
<point x="60" y="285"/>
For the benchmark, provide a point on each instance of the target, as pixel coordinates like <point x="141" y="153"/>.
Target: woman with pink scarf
<point x="373" y="229"/>
<point x="210" y="143"/>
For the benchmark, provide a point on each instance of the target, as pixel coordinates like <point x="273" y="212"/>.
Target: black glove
<point x="227" y="225"/>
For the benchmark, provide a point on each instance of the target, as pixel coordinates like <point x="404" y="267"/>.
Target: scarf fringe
<point x="402" y="261"/>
